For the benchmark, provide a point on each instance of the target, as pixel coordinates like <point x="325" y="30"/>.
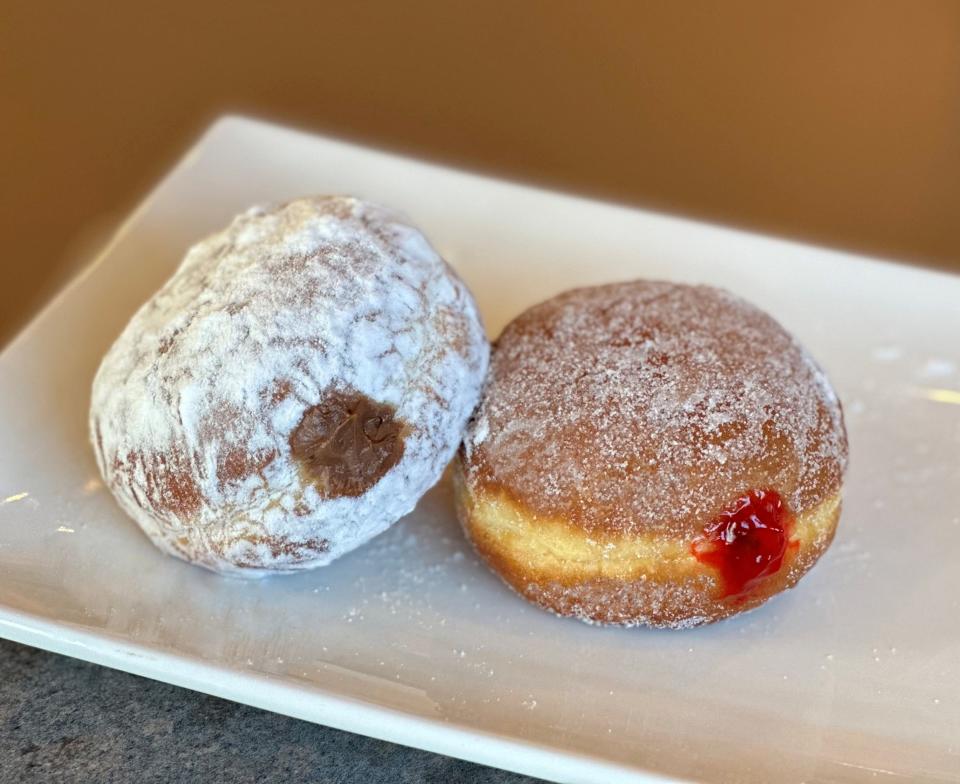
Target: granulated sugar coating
<point x="651" y="454"/>
<point x="292" y="390"/>
<point x="650" y="407"/>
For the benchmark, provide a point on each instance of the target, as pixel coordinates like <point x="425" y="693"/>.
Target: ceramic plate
<point x="852" y="676"/>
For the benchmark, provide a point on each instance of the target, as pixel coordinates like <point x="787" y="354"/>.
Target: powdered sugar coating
<point x="194" y="405"/>
<point x="649" y="407"/>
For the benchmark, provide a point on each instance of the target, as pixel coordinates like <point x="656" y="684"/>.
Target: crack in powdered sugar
<point x="194" y="404"/>
<point x="651" y="406"/>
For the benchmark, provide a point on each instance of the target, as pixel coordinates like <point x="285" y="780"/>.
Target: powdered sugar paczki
<point x="291" y="349"/>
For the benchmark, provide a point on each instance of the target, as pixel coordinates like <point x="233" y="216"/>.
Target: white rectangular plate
<point x="853" y="676"/>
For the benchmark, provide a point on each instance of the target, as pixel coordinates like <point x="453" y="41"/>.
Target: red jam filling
<point x="746" y="542"/>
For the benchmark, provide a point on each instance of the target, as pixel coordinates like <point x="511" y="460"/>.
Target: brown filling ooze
<point x="347" y="443"/>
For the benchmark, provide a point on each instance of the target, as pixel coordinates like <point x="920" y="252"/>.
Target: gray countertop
<point x="63" y="720"/>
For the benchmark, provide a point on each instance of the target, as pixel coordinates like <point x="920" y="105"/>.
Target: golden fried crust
<point x="624" y="580"/>
<point x="619" y="422"/>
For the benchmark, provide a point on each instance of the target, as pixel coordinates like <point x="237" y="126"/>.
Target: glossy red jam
<point x="746" y="542"/>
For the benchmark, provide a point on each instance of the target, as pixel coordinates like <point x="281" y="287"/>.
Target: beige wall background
<point x="834" y="122"/>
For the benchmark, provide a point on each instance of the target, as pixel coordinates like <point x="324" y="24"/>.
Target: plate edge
<point x="233" y="122"/>
<point x="331" y="710"/>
